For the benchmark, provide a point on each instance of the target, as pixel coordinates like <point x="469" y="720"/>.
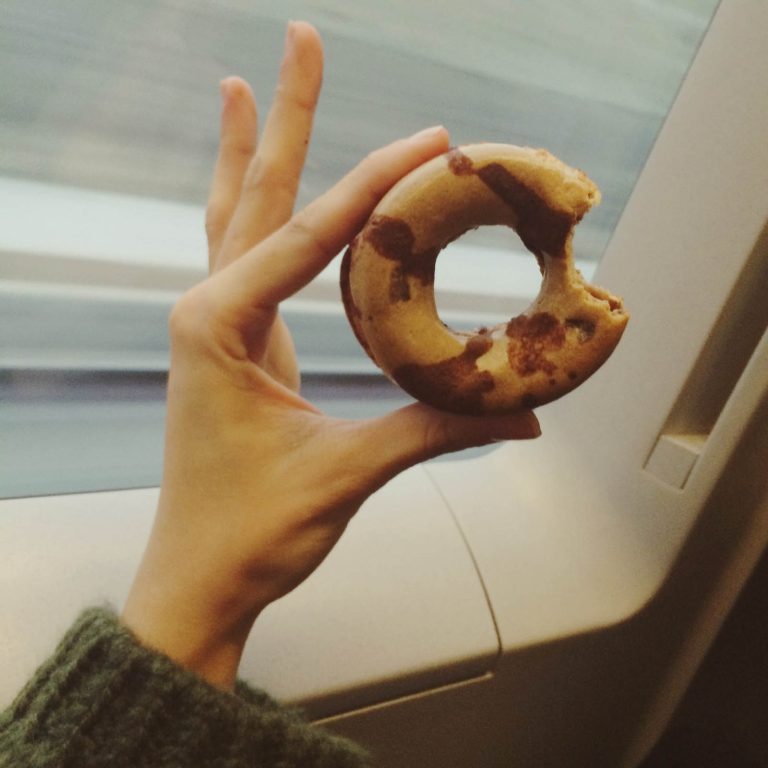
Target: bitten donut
<point x="387" y="282"/>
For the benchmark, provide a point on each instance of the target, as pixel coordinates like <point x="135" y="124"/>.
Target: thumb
<point x="390" y="444"/>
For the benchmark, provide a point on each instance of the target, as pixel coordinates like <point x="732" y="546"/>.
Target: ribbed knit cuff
<point x="103" y="699"/>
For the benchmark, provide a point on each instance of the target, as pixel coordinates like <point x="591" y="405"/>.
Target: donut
<point x="387" y="283"/>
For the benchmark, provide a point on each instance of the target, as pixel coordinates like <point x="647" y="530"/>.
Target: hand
<point x="258" y="484"/>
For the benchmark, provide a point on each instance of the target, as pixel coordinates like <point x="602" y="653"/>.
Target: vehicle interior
<point x="595" y="597"/>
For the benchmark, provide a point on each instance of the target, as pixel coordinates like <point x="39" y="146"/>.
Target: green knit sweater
<point x="103" y="699"/>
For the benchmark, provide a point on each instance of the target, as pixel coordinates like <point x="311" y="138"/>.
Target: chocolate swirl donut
<point x="387" y="282"/>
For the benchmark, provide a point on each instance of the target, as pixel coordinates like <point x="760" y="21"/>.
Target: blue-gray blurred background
<point x="107" y="139"/>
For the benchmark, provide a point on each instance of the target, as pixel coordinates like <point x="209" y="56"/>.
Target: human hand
<point x="258" y="484"/>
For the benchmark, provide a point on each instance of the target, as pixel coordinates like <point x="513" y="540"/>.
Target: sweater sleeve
<point x="103" y="699"/>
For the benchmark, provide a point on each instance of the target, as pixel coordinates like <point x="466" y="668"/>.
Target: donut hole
<point x="482" y="281"/>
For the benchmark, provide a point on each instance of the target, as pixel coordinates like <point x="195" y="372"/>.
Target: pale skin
<point x="258" y="484"/>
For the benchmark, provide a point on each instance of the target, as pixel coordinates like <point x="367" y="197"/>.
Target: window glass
<point x="108" y="135"/>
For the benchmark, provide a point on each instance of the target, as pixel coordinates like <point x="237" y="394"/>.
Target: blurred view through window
<point x="108" y="136"/>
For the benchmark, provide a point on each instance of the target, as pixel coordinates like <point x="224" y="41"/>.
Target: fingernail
<point x="429" y="132"/>
<point x="531" y="427"/>
<point x="534" y="425"/>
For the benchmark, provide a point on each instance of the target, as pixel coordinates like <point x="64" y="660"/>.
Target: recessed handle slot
<point x="674" y="456"/>
<point x="727" y="381"/>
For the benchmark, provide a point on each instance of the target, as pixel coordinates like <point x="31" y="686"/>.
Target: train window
<point x="109" y="132"/>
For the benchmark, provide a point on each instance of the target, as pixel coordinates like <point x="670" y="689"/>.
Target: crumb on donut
<point x="584" y="328"/>
<point x="530" y="340"/>
<point x="399" y="290"/>
<point x="459" y="163"/>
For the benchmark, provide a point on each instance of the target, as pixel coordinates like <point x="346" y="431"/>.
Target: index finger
<point x="290" y="258"/>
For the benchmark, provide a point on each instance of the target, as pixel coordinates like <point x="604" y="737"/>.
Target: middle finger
<point x="272" y="181"/>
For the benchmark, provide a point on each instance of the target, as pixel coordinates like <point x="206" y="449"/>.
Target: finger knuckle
<point x="189" y="318"/>
<point x="369" y="173"/>
<point x="215" y="219"/>
<point x="240" y="148"/>
<point x="302" y="100"/>
<point x="299" y="229"/>
<point x="273" y="178"/>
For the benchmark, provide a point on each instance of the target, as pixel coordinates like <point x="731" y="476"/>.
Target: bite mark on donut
<point x="614" y="304"/>
<point x="531" y="337"/>
<point x="455" y="383"/>
<point x="393" y="239"/>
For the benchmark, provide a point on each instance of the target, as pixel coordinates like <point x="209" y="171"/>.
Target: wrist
<point x="193" y="640"/>
<point x="182" y="616"/>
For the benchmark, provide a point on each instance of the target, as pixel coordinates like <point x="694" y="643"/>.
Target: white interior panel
<point x="397" y="607"/>
<point x="607" y="583"/>
<point x="604" y="531"/>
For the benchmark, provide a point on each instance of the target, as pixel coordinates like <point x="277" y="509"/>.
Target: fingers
<point x="272" y="179"/>
<point x="292" y="256"/>
<point x="236" y="147"/>
<point x="383" y="447"/>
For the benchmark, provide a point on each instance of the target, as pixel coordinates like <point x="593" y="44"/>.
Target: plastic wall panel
<point x="396" y="608"/>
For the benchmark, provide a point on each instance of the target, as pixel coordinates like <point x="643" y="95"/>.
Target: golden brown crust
<point x="388" y="283"/>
